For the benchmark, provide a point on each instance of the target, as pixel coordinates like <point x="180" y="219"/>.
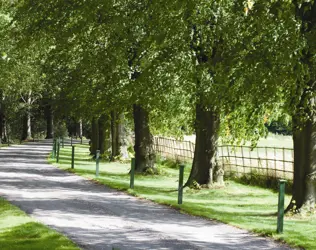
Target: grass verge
<point x="19" y="231"/>
<point x="249" y="207"/>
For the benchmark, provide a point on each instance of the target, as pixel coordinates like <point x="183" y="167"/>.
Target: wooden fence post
<point x="131" y="185"/>
<point x="73" y="157"/>
<point x="180" y="188"/>
<point x="58" y="150"/>
<point x="281" y="206"/>
<point x="97" y="161"/>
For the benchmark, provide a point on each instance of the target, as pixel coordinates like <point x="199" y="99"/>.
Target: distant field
<point x="282" y="141"/>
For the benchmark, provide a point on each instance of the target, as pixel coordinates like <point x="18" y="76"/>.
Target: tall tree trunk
<point x="304" y="185"/>
<point x="28" y="116"/>
<point x="207" y="129"/>
<point x="115" y="135"/>
<point x="6" y="132"/>
<point x="123" y="137"/>
<point x="24" y="127"/>
<point x="94" y="137"/>
<point x="1" y="116"/>
<point x="1" y="124"/>
<point x="144" y="150"/>
<point x="49" y="121"/>
<point x="304" y="135"/>
<point x="80" y="128"/>
<point x="29" y="125"/>
<point x="104" y="133"/>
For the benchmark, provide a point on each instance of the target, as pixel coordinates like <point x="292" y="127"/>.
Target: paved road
<point x="97" y="217"/>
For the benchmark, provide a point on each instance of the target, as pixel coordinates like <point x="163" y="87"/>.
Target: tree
<point x="303" y="110"/>
<point x="222" y="39"/>
<point x="230" y="61"/>
<point x="20" y="78"/>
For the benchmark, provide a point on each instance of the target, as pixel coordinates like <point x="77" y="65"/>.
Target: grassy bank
<point x="19" y="231"/>
<point x="248" y="207"/>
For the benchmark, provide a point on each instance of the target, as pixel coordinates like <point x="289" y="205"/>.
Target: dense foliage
<point x="218" y="67"/>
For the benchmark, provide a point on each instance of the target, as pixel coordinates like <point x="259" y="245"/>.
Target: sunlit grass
<point x="18" y="231"/>
<point x="248" y="207"/>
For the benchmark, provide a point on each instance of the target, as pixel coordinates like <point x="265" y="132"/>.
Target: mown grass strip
<point x="244" y="206"/>
<point x="20" y="232"/>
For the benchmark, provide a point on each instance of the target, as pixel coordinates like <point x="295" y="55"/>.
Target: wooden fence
<point x="238" y="160"/>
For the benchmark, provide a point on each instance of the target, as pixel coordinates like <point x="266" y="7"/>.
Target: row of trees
<point x="222" y="68"/>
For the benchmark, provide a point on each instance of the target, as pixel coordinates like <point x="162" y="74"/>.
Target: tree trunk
<point x="28" y="117"/>
<point x="80" y="128"/>
<point x="115" y="136"/>
<point x="24" y="128"/>
<point x="144" y="150"/>
<point x="94" y="137"/>
<point x="304" y="185"/>
<point x="1" y="124"/>
<point x="104" y="134"/>
<point x="1" y="116"/>
<point x="29" y="124"/>
<point x="207" y="129"/>
<point x="304" y="135"/>
<point x="49" y="122"/>
<point x="123" y="137"/>
<point x="6" y="132"/>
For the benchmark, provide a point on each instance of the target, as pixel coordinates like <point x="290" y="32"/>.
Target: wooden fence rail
<point x="239" y="160"/>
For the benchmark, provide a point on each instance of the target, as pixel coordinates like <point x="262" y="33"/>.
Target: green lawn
<point x="247" y="207"/>
<point x="19" y="231"/>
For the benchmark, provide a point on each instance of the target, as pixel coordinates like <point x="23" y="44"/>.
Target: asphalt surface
<point x="97" y="217"/>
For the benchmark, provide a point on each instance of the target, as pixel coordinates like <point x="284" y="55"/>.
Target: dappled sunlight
<point x="250" y="207"/>
<point x="13" y="221"/>
<point x="96" y="216"/>
<point x="19" y="231"/>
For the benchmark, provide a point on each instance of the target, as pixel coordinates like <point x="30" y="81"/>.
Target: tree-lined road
<point x="96" y="217"/>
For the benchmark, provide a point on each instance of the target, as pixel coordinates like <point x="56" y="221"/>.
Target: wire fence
<point x="237" y="160"/>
